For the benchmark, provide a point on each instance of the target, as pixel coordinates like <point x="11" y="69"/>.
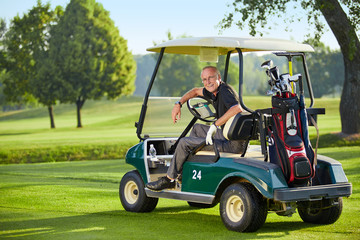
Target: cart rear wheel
<point x="132" y="194"/>
<point x="321" y="212"/>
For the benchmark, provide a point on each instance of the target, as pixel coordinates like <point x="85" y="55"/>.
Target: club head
<point x="295" y="77"/>
<point x="267" y="64"/>
<point x="285" y="77"/>
<point x="270" y="92"/>
<point x="274" y="73"/>
<point x="285" y="86"/>
<point x="277" y="90"/>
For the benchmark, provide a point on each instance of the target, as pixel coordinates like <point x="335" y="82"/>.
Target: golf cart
<point x="246" y="185"/>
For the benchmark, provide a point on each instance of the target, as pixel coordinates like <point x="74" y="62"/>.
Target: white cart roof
<point x="192" y="46"/>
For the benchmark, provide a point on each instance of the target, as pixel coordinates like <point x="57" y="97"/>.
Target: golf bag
<point x="288" y="147"/>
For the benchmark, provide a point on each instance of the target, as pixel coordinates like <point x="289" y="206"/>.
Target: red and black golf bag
<point x="288" y="139"/>
<point x="287" y="146"/>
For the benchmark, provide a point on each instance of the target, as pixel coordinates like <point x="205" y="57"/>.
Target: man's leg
<point x="182" y="151"/>
<point x="199" y="130"/>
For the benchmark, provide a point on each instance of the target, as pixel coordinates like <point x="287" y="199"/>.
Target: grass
<point x="79" y="200"/>
<point x="25" y="136"/>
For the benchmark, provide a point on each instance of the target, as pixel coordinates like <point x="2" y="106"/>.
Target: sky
<point x="143" y="22"/>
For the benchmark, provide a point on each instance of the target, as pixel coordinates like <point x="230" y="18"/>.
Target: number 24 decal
<point x="196" y="175"/>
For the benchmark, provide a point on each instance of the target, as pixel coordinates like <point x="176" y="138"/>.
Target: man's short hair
<point x="211" y="67"/>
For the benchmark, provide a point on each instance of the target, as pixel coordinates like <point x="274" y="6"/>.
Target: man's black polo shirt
<point x="224" y="99"/>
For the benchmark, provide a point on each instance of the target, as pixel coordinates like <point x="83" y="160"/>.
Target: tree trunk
<point x="350" y="97"/>
<point x="350" y="48"/>
<point x="79" y="103"/>
<point x="51" y="115"/>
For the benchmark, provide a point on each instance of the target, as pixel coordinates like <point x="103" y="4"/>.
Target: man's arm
<point x="176" y="112"/>
<point x="229" y="113"/>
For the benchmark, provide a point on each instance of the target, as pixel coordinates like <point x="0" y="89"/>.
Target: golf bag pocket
<point x="293" y="161"/>
<point x="300" y="166"/>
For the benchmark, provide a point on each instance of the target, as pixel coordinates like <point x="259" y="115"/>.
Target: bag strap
<point x="317" y="138"/>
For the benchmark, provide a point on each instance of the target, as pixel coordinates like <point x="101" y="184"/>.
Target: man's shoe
<point x="162" y="183"/>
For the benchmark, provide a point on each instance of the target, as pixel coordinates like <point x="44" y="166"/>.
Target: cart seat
<point x="253" y="153"/>
<point x="240" y="127"/>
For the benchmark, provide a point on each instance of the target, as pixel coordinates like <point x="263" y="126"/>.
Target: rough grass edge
<point x="337" y="139"/>
<point x="118" y="150"/>
<point x="65" y="153"/>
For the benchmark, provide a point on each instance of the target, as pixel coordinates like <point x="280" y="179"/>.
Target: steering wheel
<point x="201" y="110"/>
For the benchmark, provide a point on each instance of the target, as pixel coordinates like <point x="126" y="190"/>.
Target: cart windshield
<point x="179" y="72"/>
<point x="158" y="122"/>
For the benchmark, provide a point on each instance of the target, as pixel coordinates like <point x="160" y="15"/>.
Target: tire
<point x="202" y="205"/>
<point x="242" y="208"/>
<point x="261" y="209"/>
<point x="132" y="194"/>
<point x="318" y="215"/>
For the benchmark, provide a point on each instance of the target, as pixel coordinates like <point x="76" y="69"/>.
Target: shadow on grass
<point x="14" y="134"/>
<point x="163" y="223"/>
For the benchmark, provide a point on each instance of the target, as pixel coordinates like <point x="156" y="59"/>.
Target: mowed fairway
<point x="108" y="130"/>
<point x="79" y="199"/>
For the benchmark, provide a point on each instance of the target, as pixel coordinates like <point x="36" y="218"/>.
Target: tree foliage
<point x="2" y="50"/>
<point x="144" y="69"/>
<point x="344" y="25"/>
<point x="88" y="56"/>
<point x="326" y="71"/>
<point x="19" y="61"/>
<point x="26" y="44"/>
<point x="177" y="73"/>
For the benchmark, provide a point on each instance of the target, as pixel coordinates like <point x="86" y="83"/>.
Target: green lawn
<point x="26" y="137"/>
<point x="79" y="200"/>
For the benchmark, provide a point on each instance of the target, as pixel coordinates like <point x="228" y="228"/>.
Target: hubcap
<point x="131" y="192"/>
<point x="235" y="208"/>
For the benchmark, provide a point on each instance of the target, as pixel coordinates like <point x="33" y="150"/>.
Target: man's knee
<point x="181" y="143"/>
<point x="187" y="144"/>
<point x="199" y="130"/>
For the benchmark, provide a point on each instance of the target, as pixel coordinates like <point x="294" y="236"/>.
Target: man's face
<point x="211" y="80"/>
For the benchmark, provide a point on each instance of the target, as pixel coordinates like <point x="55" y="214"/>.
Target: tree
<point x="177" y="73"/>
<point x="88" y="55"/>
<point x="42" y="84"/>
<point x="344" y="26"/>
<point x="26" y="45"/>
<point x="18" y="61"/>
<point x="326" y="70"/>
<point x="145" y="67"/>
<point x="2" y="50"/>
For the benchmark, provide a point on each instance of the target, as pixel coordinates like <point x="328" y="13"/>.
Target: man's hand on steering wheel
<point x="195" y="110"/>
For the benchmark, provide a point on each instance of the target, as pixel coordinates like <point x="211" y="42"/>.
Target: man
<point x="226" y="104"/>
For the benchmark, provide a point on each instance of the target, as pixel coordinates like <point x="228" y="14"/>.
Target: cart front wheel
<point x="242" y="208"/>
<point x="132" y="194"/>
